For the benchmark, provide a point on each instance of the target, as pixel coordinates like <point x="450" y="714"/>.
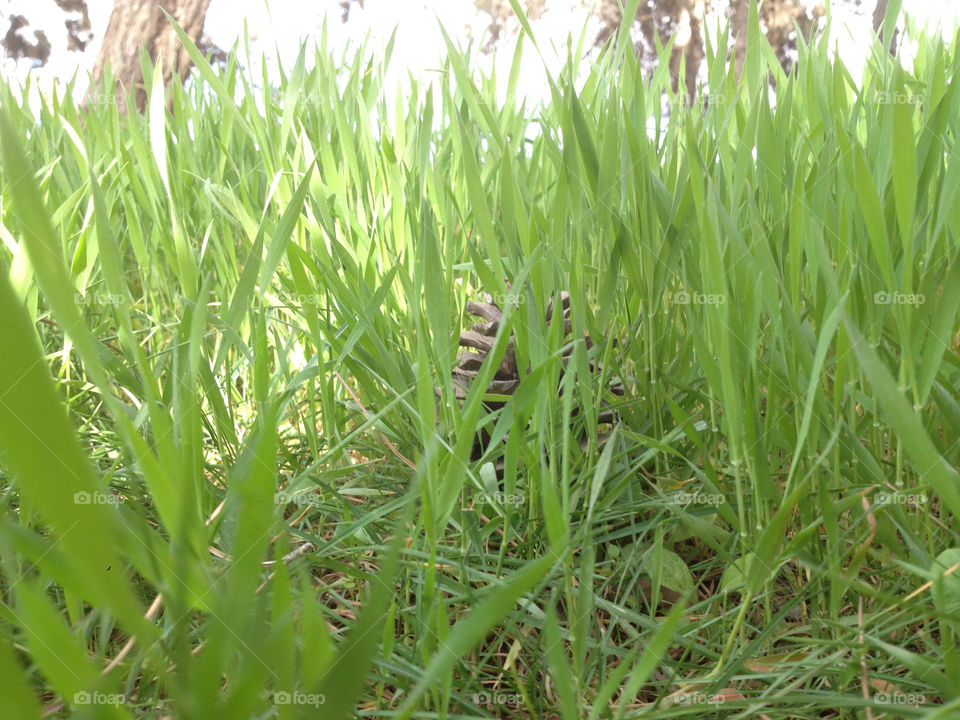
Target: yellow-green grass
<point x="226" y="490"/>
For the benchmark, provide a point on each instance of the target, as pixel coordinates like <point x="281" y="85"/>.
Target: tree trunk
<point x="687" y="44"/>
<point x="879" y="14"/>
<point x="739" y="20"/>
<point x="135" y="23"/>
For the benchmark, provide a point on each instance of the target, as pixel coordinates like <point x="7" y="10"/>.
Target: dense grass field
<point x="237" y="479"/>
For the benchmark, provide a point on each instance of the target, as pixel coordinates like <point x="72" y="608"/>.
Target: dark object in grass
<point x="480" y="341"/>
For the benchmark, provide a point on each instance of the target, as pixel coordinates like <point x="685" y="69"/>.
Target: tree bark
<point x="135" y="23"/>
<point x="739" y="20"/>
<point x="879" y="14"/>
<point x="688" y="46"/>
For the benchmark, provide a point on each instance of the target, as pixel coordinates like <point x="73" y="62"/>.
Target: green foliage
<point x="230" y="489"/>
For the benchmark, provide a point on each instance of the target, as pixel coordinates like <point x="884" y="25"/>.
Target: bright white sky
<point x="419" y="43"/>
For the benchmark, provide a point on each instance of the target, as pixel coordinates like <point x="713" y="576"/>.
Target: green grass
<point x="229" y="488"/>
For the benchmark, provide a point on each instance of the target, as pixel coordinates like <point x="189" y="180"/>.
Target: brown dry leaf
<point x="882" y="686"/>
<point x="691" y="695"/>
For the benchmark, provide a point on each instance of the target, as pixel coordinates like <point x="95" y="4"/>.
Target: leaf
<point x="651" y="659"/>
<point x="735" y="575"/>
<point x="474" y="627"/>
<point x="872" y="212"/>
<point x="946" y="588"/>
<point x="281" y="236"/>
<point x="904" y="168"/>
<point x="41" y="447"/>
<point x="929" y="464"/>
<point x="670" y="569"/>
<point x="344" y="681"/>
<point x="17" y="691"/>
